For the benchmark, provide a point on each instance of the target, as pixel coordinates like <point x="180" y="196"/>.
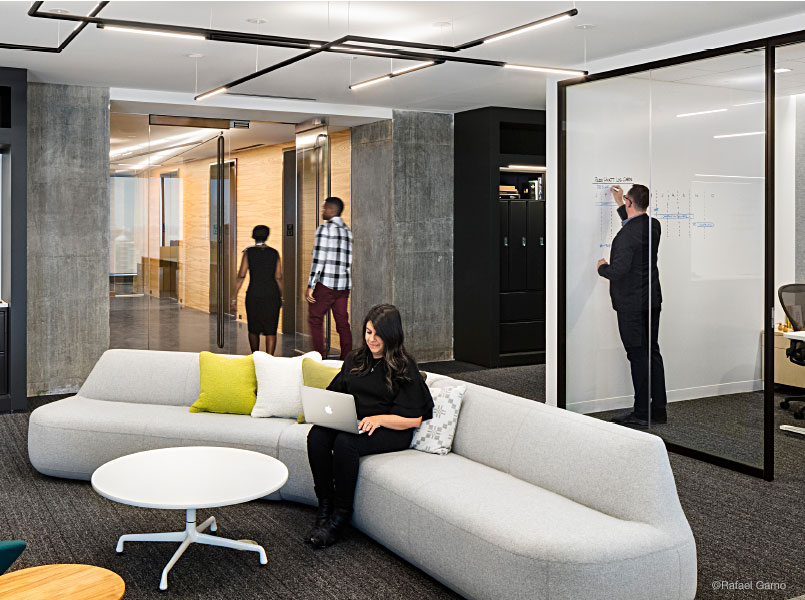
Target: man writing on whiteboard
<point x="634" y="286"/>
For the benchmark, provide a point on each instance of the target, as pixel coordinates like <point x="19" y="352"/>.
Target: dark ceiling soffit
<point x="54" y="49"/>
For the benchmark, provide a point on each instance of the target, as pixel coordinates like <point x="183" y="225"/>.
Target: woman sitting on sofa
<point x="391" y="400"/>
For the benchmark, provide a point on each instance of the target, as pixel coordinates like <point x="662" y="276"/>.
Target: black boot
<point x="325" y="510"/>
<point x="329" y="534"/>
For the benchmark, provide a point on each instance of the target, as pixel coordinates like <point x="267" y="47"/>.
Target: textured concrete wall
<point x="68" y="234"/>
<point x="800" y="191"/>
<point x="372" y="220"/>
<point x="402" y="214"/>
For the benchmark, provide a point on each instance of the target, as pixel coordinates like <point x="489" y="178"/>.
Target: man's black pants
<point x="333" y="457"/>
<point x="634" y="329"/>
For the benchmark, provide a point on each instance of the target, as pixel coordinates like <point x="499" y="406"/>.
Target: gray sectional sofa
<point x="533" y="502"/>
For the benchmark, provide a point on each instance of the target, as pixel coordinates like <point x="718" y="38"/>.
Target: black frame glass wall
<point x="743" y="202"/>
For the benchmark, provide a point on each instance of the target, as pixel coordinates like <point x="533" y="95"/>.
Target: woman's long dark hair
<point x="387" y="323"/>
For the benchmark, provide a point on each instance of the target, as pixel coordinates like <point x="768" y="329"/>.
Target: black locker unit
<point x="499" y="244"/>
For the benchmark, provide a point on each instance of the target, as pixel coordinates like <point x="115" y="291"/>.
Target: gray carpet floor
<point x="65" y="521"/>
<point x="747" y="530"/>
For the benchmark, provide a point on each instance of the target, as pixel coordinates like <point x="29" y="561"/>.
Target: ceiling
<point x="114" y="59"/>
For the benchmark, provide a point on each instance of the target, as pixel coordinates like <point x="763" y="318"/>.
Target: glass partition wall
<point x="681" y="345"/>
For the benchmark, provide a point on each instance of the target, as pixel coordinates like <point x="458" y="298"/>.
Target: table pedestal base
<point x="192" y="534"/>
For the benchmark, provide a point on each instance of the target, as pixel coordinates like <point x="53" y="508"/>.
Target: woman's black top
<point x="409" y="399"/>
<point x="263" y="298"/>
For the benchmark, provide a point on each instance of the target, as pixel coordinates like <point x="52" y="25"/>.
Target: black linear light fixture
<point x="54" y="49"/>
<point x="349" y="44"/>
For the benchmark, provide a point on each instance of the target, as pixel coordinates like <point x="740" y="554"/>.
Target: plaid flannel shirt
<point x="332" y="256"/>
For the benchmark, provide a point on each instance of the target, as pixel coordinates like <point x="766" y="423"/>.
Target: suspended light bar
<point x="214" y="92"/>
<point x="703" y="112"/>
<point x="186" y="36"/>
<point x="527" y="28"/>
<point x="546" y="70"/>
<point x="397" y="73"/>
<point x="521" y="29"/>
<point x="411" y="68"/>
<point x="369" y="82"/>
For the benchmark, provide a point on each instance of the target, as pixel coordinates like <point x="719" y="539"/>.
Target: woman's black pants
<point x="334" y="455"/>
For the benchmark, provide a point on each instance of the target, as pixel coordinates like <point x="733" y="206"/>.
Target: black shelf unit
<point x="499" y="244"/>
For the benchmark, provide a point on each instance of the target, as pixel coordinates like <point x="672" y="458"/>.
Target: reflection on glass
<point x="128" y="233"/>
<point x="789" y="110"/>
<point x="693" y="134"/>
<point x="312" y="187"/>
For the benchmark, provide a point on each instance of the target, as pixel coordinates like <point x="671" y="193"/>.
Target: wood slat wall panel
<point x="259" y="201"/>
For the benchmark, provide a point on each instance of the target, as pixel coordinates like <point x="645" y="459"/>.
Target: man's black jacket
<point x="628" y="268"/>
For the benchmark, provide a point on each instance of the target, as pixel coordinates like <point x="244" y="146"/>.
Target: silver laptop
<point x="330" y="409"/>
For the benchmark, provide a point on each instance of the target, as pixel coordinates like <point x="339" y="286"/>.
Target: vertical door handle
<point x="523" y="241"/>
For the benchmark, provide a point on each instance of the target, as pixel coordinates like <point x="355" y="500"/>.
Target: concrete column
<point x="68" y="234"/>
<point x="402" y="216"/>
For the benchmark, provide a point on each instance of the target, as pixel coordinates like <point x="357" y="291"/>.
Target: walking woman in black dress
<point x="391" y="400"/>
<point x="263" y="296"/>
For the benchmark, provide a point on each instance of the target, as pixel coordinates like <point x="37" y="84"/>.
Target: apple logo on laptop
<point x="328" y="410"/>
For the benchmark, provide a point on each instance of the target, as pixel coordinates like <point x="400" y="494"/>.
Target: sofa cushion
<point x="279" y="384"/>
<point x="542" y="444"/>
<point x="149" y="376"/>
<point x="318" y="375"/>
<point x="436" y="434"/>
<point x="75" y="436"/>
<point x="424" y="506"/>
<point x="228" y="385"/>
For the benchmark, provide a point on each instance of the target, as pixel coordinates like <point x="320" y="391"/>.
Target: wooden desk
<point x="62" y="582"/>
<point x="786" y="372"/>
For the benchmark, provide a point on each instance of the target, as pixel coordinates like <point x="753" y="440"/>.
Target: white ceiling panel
<point x="105" y="58"/>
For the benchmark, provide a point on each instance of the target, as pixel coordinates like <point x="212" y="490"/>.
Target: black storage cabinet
<point x="499" y="244"/>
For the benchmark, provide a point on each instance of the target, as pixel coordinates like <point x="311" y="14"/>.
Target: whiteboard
<point x="625" y="131"/>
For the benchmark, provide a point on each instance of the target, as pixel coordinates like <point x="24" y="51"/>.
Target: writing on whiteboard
<point x="613" y="180"/>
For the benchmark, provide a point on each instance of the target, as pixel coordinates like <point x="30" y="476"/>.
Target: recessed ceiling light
<point x="256" y="20"/>
<point x="195" y="55"/>
<point x="59" y="11"/>
<point x="586" y="26"/>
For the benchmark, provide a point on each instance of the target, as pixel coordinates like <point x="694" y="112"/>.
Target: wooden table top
<point x="62" y="582"/>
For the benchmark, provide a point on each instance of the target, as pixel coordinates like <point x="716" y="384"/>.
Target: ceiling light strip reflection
<point x="732" y="135"/>
<point x="702" y="112"/>
<point x="729" y="176"/>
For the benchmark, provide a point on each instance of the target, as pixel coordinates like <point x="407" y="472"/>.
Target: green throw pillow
<point x="317" y="375"/>
<point x="228" y="385"/>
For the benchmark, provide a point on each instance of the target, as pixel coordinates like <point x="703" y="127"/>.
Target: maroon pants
<point x="327" y="299"/>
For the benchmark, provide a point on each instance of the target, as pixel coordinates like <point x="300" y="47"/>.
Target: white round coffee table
<point x="189" y="478"/>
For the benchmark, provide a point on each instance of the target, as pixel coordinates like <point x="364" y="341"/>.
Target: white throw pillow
<point x="436" y="435"/>
<point x="279" y="385"/>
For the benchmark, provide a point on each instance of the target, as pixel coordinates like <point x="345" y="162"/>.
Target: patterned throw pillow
<point x="436" y="435"/>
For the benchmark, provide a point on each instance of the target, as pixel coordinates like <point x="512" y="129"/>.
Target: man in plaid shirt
<point x="330" y="276"/>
